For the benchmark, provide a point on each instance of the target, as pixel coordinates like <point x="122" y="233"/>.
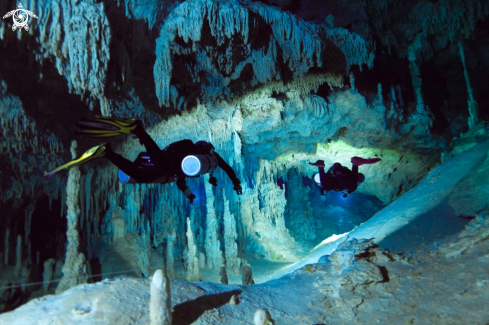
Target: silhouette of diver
<point x="175" y="162"/>
<point x="340" y="178"/>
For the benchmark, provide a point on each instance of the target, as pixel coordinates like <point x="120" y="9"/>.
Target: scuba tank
<point x="196" y="165"/>
<point x="317" y="179"/>
<point x="142" y="161"/>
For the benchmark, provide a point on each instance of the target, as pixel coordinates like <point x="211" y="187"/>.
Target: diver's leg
<point x="150" y="145"/>
<point x="127" y="166"/>
<point x="353" y="179"/>
<point x="141" y="175"/>
<point x="354" y="169"/>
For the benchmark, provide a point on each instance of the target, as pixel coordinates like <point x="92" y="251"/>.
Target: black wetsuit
<point x="166" y="161"/>
<point x="339" y="178"/>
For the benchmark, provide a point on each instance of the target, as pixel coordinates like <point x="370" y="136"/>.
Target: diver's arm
<point x="352" y="189"/>
<point x="182" y="185"/>
<point x="231" y="174"/>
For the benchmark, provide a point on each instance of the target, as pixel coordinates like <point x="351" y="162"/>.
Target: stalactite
<point x="356" y="49"/>
<point x="472" y="104"/>
<point x="21" y="138"/>
<point x="294" y="39"/>
<point x="77" y="35"/>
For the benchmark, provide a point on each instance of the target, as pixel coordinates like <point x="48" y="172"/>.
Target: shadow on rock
<point x="188" y="312"/>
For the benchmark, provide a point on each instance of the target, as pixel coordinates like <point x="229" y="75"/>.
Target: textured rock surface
<point x="75" y="270"/>
<point x="361" y="284"/>
<point x="425" y="201"/>
<point x="226" y="43"/>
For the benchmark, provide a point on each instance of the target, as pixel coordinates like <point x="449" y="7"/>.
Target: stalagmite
<point x="234" y="300"/>
<point x="224" y="275"/>
<point x="192" y="271"/>
<point x="262" y="317"/>
<point x="422" y="119"/>
<point x="212" y="243"/>
<point x="144" y="247"/>
<point x="47" y="275"/>
<point x="352" y="82"/>
<point x="415" y="73"/>
<point x="170" y="259"/>
<point x="472" y="104"/>
<point x="300" y="216"/>
<point x="18" y="257"/>
<point x="230" y="237"/>
<point x="380" y="98"/>
<point x="75" y="267"/>
<point x="160" y="311"/>
<point x="5" y="257"/>
<point x="28" y="217"/>
<point x="262" y="214"/>
<point x="247" y="275"/>
<point x="202" y="260"/>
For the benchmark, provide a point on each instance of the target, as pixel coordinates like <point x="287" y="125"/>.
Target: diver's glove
<point x="237" y="187"/>
<point x="191" y="196"/>
<point x="323" y="198"/>
<point x="213" y="181"/>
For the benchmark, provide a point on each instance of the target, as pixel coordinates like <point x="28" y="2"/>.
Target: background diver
<point x="175" y="162"/>
<point x="341" y="178"/>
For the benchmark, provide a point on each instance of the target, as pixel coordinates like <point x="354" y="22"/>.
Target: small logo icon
<point x="20" y="17"/>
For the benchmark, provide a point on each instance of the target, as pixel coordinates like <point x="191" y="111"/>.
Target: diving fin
<point x="95" y="152"/>
<point x="358" y="161"/>
<point x="101" y="126"/>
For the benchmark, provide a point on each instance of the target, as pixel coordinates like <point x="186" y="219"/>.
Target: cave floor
<point x="444" y="285"/>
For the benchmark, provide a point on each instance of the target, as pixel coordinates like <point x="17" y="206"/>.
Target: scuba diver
<point x="340" y="178"/>
<point x="175" y="162"/>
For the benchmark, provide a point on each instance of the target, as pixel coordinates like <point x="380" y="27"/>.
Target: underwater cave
<point x="244" y="162"/>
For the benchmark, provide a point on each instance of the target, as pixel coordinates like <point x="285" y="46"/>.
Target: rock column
<point x="472" y="104"/>
<point x="160" y="302"/>
<point x="75" y="269"/>
<point x="212" y="243"/>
